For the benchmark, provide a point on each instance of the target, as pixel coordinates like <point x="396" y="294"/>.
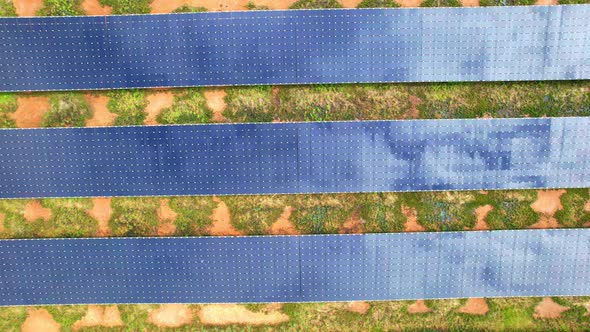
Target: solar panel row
<point x="294" y="47"/>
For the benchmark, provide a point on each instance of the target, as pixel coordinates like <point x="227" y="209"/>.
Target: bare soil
<point x="470" y="3"/>
<point x="167" y="6"/>
<point x="409" y="3"/>
<point x="166" y="217"/>
<point x="475" y="306"/>
<point x="359" y="307"/>
<point x="39" y="320"/>
<point x="587" y="206"/>
<point x="548" y="309"/>
<point x="284" y="226"/>
<point x="100" y="316"/>
<point x="221" y="220"/>
<point x="481" y="213"/>
<point x="411" y="224"/>
<point x="350" y="3"/>
<point x="413" y="112"/>
<point x="93" y="7"/>
<point x="27" y="7"/>
<point x="157" y="102"/>
<point x="545" y="222"/>
<point x="34" y="210"/>
<point x="101" y="116"/>
<point x="546" y="2"/>
<point x="30" y="111"/>
<point x="548" y="202"/>
<point x="418" y="307"/>
<point x="226" y="314"/>
<point x="171" y="315"/>
<point x="354" y="224"/>
<point x="2" y="217"/>
<point x="216" y="102"/>
<point x="101" y="211"/>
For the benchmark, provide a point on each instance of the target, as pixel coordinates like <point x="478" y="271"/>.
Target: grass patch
<point x="128" y="6"/>
<point x="484" y="3"/>
<point x="378" y="4"/>
<point x="8" y="105"/>
<point x="252" y="6"/>
<point x="254" y="215"/>
<point x="325" y="213"/>
<point x="249" y="104"/>
<point x="134" y="216"/>
<point x="189" y="107"/>
<point x="314" y="4"/>
<point x="60" y="8"/>
<point x="129" y="105"/>
<point x="193" y="214"/>
<point x="7" y="8"/>
<point x="574" y="2"/>
<point x="189" y="9"/>
<point x="440" y="3"/>
<point x="512" y="209"/>
<point x="381" y="212"/>
<point x="67" y="110"/>
<point x="573" y="213"/>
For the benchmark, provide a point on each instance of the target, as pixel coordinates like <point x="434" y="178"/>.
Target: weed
<point x="190" y="9"/>
<point x="129" y="105"/>
<point x="8" y="104"/>
<point x="189" y="107"/>
<point x="507" y="2"/>
<point x="440" y="3"/>
<point x="67" y="110"/>
<point x="134" y="216"/>
<point x="60" y="8"/>
<point x="378" y="4"/>
<point x="574" y="2"/>
<point x="313" y="4"/>
<point x="573" y="213"/>
<point x="193" y="214"/>
<point x="255" y="214"/>
<point x="249" y="104"/>
<point x="252" y="6"/>
<point x="7" y="8"/>
<point x="128" y="6"/>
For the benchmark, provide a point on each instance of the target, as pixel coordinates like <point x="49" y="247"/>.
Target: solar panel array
<point x="295" y="268"/>
<point x="295" y="158"/>
<point x="293" y="47"/>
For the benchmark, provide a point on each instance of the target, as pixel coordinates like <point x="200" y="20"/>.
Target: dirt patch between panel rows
<point x="475" y="306"/>
<point x="354" y="224"/>
<point x="481" y="213"/>
<point x="284" y="226"/>
<point x="93" y="7"/>
<point x="39" y="320"/>
<point x="359" y="307"/>
<point x="226" y="314"/>
<point x="30" y="111"/>
<point x="100" y="316"/>
<point x="411" y="224"/>
<point x="221" y="220"/>
<point x="166" y="217"/>
<point x="548" y="202"/>
<point x="34" y="210"/>
<point x="418" y="307"/>
<point x="171" y="315"/>
<point x="156" y="103"/>
<point x="27" y="7"/>
<point x="2" y="217"/>
<point x="548" y="309"/>
<point x="101" y="211"/>
<point x="101" y="116"/>
<point x="216" y="102"/>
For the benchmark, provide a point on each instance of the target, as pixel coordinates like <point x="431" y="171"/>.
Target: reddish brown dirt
<point x="171" y="315"/>
<point x="39" y="320"/>
<point x="587" y="206"/>
<point x="101" y="211"/>
<point x="100" y="316"/>
<point x="481" y="213"/>
<point x="167" y="217"/>
<point x="34" y="210"/>
<point x="409" y="3"/>
<point x="93" y="7"/>
<point x="359" y="307"/>
<point x="350" y="3"/>
<point x="226" y="314"/>
<point x="167" y="6"/>
<point x="216" y="102"/>
<point x="100" y="113"/>
<point x="354" y="224"/>
<point x="548" y="309"/>
<point x="470" y="3"/>
<point x="156" y="102"/>
<point x="2" y="217"/>
<point x="545" y="222"/>
<point x="546" y="2"/>
<point x="411" y="224"/>
<point x="413" y="112"/>
<point x="418" y="307"/>
<point x="27" y="7"/>
<point x="221" y="220"/>
<point x="284" y="226"/>
<point x="475" y="306"/>
<point x="548" y="202"/>
<point x="30" y="111"/>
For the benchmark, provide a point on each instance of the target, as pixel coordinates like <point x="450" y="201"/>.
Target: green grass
<point x="67" y="110"/>
<point x="193" y="214"/>
<point x="128" y="6"/>
<point x="255" y="214"/>
<point x="134" y="217"/>
<point x="574" y="2"/>
<point x="188" y="107"/>
<point x="7" y="8"/>
<point x="129" y="105"/>
<point x="440" y="3"/>
<point x="190" y="9"/>
<point x="378" y="4"/>
<point x="506" y="2"/>
<point x="8" y="105"/>
<point x="252" y="6"/>
<point x="60" y="8"/>
<point x="314" y="4"/>
<point x="573" y="213"/>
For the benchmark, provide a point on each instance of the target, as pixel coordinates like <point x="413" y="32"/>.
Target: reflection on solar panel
<point x="296" y="268"/>
<point x="291" y="47"/>
<point x="363" y="156"/>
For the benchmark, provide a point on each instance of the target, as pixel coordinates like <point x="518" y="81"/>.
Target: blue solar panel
<point x="291" y="47"/>
<point x="295" y="268"/>
<point x="360" y="156"/>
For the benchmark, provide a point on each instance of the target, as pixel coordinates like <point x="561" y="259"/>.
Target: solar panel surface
<point x="295" y="268"/>
<point x="295" y="47"/>
<point x="317" y="157"/>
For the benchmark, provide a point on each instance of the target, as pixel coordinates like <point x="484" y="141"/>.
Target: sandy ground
<point x="93" y="7"/>
<point x="171" y="315"/>
<point x="359" y="307"/>
<point x="30" y="110"/>
<point x="221" y="220"/>
<point x="413" y="112"/>
<point x="167" y="6"/>
<point x="39" y="320"/>
<point x="418" y="307"/>
<point x="34" y="210"/>
<point x="548" y="202"/>
<point x="27" y="7"/>
<point x="411" y="224"/>
<point x="156" y="103"/>
<point x="100" y="113"/>
<point x="225" y="314"/>
<point x="475" y="306"/>
<point x="409" y="3"/>
<point x="167" y="217"/>
<point x="470" y="3"/>
<point x="546" y="2"/>
<point x="284" y="226"/>
<point x="100" y="316"/>
<point x="2" y="217"/>
<point x="549" y="309"/>
<point x="354" y="224"/>
<point x="481" y="213"/>
<point x="587" y="206"/>
<point x="350" y="3"/>
<point x="216" y="102"/>
<point x="101" y="211"/>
